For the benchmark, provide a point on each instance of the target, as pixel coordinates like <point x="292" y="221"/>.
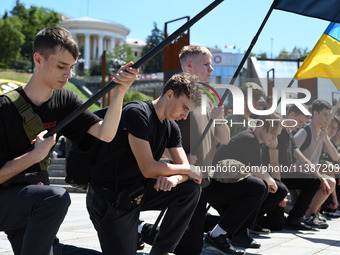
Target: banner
<point x="324" y="60"/>
<point x="322" y="9"/>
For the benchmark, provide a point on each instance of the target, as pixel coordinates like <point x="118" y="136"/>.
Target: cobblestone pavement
<point x="77" y="230"/>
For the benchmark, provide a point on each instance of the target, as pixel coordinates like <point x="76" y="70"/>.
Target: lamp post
<point x="271" y="55"/>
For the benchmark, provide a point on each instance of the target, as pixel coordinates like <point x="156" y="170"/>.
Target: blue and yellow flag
<point x="324" y="60"/>
<point x="322" y="9"/>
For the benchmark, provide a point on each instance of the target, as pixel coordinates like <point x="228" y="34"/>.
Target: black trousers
<point x="237" y="203"/>
<point x="308" y="187"/>
<point x="31" y="216"/>
<point x="192" y="240"/>
<point x="274" y="213"/>
<point x="117" y="229"/>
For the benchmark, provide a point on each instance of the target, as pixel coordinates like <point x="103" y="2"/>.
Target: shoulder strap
<point x="308" y="139"/>
<point x="31" y="121"/>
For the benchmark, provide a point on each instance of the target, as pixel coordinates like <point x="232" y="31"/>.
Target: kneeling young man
<point x="31" y="211"/>
<point x="141" y="139"/>
<point x="239" y="201"/>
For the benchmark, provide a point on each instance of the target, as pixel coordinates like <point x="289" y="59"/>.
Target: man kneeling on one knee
<point x="135" y="172"/>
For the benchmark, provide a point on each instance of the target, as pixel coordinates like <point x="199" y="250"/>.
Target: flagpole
<point x="140" y="62"/>
<point x="289" y="85"/>
<point x="236" y="74"/>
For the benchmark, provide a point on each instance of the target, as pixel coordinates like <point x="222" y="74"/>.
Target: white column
<point x="87" y="52"/>
<point x="100" y="46"/>
<point x="95" y="48"/>
<point x="110" y="44"/>
<point x="105" y="44"/>
<point x="117" y="43"/>
<point x="77" y="41"/>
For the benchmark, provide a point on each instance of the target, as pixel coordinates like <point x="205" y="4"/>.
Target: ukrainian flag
<point x="324" y="60"/>
<point x="321" y="9"/>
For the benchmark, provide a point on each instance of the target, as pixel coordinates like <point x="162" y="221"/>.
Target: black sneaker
<point x="258" y="230"/>
<point x="333" y="214"/>
<point x="148" y="233"/>
<point x="295" y="224"/>
<point x="140" y="243"/>
<point x="314" y="222"/>
<point x="158" y="251"/>
<point x="221" y="244"/>
<point x="245" y="241"/>
<point x="60" y="249"/>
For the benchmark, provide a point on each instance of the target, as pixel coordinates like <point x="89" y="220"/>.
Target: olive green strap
<point x="31" y="122"/>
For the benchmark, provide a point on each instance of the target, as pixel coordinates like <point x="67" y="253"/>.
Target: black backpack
<point x="79" y="162"/>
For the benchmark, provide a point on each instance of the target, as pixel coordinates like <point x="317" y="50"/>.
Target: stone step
<point x="58" y="161"/>
<point x="56" y="167"/>
<point x="57" y="180"/>
<point x="56" y="173"/>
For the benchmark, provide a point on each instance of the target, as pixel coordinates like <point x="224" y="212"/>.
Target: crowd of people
<point x="129" y="173"/>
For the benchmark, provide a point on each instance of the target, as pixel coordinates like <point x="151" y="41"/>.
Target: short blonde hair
<point x="191" y="50"/>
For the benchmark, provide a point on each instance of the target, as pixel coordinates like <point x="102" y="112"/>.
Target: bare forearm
<point x="331" y="150"/>
<point x="41" y="148"/>
<point x="16" y="166"/>
<point x="181" y="178"/>
<point x="165" y="169"/>
<point x="109" y="126"/>
<point x="107" y="129"/>
<point x="223" y="134"/>
<point x="259" y="173"/>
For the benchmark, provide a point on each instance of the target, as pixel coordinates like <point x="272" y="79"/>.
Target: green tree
<point x="31" y="26"/>
<point x="284" y="54"/>
<point x="303" y="52"/>
<point x="119" y="56"/>
<point x="155" y="64"/>
<point x="133" y="95"/>
<point x="19" y="10"/>
<point x="11" y="39"/>
<point x="37" y="19"/>
<point x="48" y="17"/>
<point x="33" y="19"/>
<point x="262" y="55"/>
<point x="251" y="54"/>
<point x="5" y="15"/>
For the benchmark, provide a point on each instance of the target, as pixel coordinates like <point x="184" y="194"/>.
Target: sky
<point x="231" y="23"/>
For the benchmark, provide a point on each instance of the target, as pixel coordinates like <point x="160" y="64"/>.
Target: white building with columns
<point x="93" y="37"/>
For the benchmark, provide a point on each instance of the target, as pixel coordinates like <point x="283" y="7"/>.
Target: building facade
<point x="93" y="37"/>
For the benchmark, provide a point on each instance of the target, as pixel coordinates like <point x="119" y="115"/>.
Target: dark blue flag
<point x="322" y="9"/>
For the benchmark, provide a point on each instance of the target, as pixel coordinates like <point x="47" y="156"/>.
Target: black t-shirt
<point x="122" y="168"/>
<point x="13" y="139"/>
<point x="243" y="147"/>
<point x="286" y="145"/>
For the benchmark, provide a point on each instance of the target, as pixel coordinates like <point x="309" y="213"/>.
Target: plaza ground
<point x="77" y="230"/>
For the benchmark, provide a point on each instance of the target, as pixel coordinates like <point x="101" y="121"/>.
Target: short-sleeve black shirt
<point x="286" y="146"/>
<point x="123" y="169"/>
<point x="243" y="147"/>
<point x="13" y="139"/>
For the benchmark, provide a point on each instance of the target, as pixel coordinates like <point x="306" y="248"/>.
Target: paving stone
<point x="77" y="230"/>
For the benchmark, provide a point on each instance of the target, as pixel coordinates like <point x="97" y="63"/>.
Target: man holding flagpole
<point x="31" y="211"/>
